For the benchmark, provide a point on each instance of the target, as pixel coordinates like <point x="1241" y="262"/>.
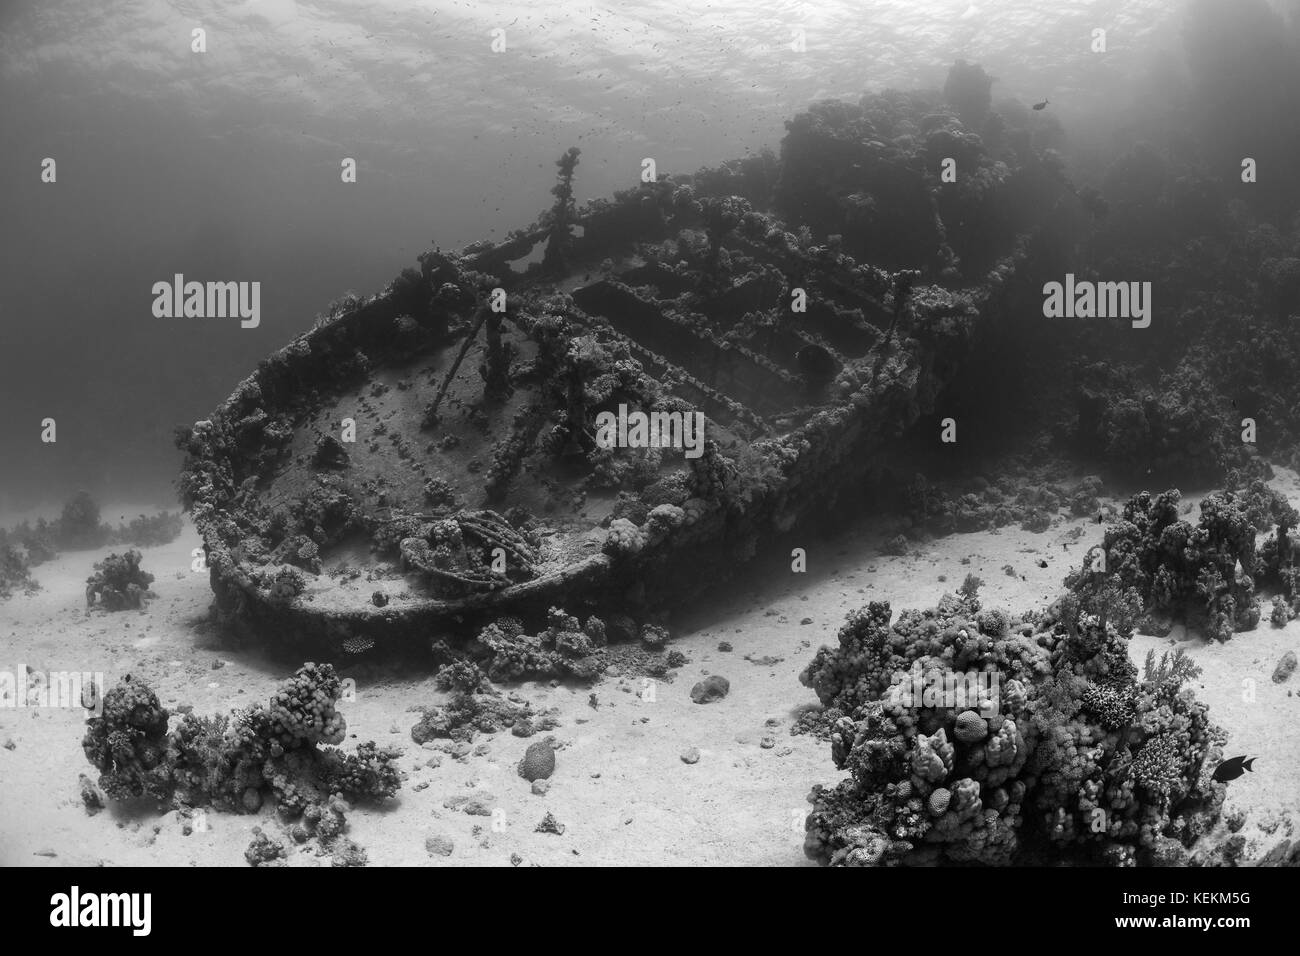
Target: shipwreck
<point x="428" y="456"/>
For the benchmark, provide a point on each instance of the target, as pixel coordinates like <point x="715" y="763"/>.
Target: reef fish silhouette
<point x="1233" y="768"/>
<point x="1042" y="105"/>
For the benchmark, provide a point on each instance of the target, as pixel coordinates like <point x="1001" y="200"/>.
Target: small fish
<point x="1233" y="768"/>
<point x="1042" y="105"/>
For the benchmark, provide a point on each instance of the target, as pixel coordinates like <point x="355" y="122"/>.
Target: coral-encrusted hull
<point x="426" y="456"/>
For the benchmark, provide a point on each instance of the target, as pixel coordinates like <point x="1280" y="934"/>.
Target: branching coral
<point x="565" y="648"/>
<point x="233" y="761"/>
<point x="302" y="709"/>
<point x="79" y="526"/>
<point x="461" y="675"/>
<point x="15" y="572"/>
<point x="1037" y="744"/>
<point x="150" y="530"/>
<point x="118" y="582"/>
<point x="37" y="541"/>
<point x="1203" y="574"/>
<point x="127" y="743"/>
<point x="368" y="774"/>
<point x="978" y="505"/>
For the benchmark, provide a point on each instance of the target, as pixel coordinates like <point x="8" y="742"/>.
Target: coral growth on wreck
<point x="562" y="214"/>
<point x="470" y="551"/>
<point x="796" y="341"/>
<point x="871" y="173"/>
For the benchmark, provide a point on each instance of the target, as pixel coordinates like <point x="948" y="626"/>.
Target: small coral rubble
<point x="479" y="711"/>
<point x="567" y="648"/>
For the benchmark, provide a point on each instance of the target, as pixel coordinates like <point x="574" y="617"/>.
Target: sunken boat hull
<point x="430" y="457"/>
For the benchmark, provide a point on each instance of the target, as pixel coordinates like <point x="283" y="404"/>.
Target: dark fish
<point x="1042" y="105"/>
<point x="1042" y="564"/>
<point x="1233" y="768"/>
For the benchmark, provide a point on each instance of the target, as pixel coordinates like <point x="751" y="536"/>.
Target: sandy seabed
<point x="620" y="788"/>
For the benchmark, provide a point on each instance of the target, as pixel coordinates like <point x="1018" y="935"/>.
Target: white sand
<point x="620" y="787"/>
